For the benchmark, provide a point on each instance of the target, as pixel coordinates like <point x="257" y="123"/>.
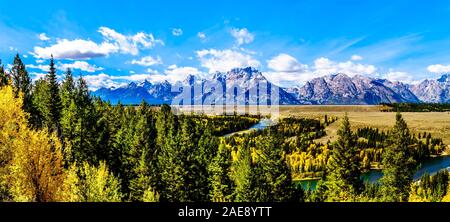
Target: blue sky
<point x="113" y="43"/>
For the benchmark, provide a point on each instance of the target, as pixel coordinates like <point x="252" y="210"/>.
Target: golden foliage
<point x="31" y="161"/>
<point x="446" y="198"/>
<point x="89" y="183"/>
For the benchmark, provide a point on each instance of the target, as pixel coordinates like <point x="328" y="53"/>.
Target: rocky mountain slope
<point x="249" y="86"/>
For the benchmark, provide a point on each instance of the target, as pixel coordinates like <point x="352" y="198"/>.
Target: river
<point x="430" y="166"/>
<point x="262" y="124"/>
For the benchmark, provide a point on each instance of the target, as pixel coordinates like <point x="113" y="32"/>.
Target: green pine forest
<point x="60" y="144"/>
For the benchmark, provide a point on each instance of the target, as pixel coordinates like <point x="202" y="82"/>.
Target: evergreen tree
<point x="398" y="163"/>
<point x="67" y="92"/>
<point x="199" y="148"/>
<point x="40" y="101"/>
<point x="243" y="175"/>
<point x="343" y="180"/>
<point x="140" y="163"/>
<point x="22" y="84"/>
<point x="275" y="176"/>
<point x="3" y="77"/>
<point x="219" y="176"/>
<point x="68" y="111"/>
<point x="171" y="158"/>
<point x="142" y="181"/>
<point x="80" y="128"/>
<point x="54" y="100"/>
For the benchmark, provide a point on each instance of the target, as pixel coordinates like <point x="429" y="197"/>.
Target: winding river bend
<point x="430" y="166"/>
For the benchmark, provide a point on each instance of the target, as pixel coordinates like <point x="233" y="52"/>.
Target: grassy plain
<point x="436" y="123"/>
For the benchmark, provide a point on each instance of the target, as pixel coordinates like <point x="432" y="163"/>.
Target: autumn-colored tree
<point x="12" y="120"/>
<point x="88" y="183"/>
<point x="32" y="163"/>
<point x="36" y="167"/>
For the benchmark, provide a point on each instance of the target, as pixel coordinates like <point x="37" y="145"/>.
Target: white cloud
<point x="133" y="78"/>
<point x="242" y="36"/>
<point x="174" y="74"/>
<point x="37" y="76"/>
<point x="75" y="49"/>
<point x="201" y="35"/>
<point x="129" y="44"/>
<point x="399" y="76"/>
<point x="287" y="71"/>
<point x="101" y="80"/>
<point x="175" y="70"/>
<point x="286" y="63"/>
<point x="149" y="70"/>
<point x="81" y="65"/>
<point x="114" y="42"/>
<point x="41" y="67"/>
<point x="104" y="80"/>
<point x="438" y="68"/>
<point x="356" y="58"/>
<point x="147" y="61"/>
<point x="326" y="66"/>
<point x="177" y="32"/>
<point x="225" y="60"/>
<point x="43" y="37"/>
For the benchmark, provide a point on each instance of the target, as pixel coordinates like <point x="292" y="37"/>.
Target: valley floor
<point x="436" y="123"/>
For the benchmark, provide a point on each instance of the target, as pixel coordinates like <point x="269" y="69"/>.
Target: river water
<point x="430" y="166"/>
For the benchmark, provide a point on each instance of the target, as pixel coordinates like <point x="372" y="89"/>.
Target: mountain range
<point x="334" y="89"/>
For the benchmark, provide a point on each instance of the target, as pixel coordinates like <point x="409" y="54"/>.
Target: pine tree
<point x="67" y="92"/>
<point x="219" y="176"/>
<point x="79" y="127"/>
<point x="243" y="175"/>
<point x="22" y="84"/>
<point x="142" y="180"/>
<point x="398" y="163"/>
<point x="3" y="77"/>
<point x="68" y="111"/>
<point x="140" y="162"/>
<point x="274" y="174"/>
<point x="54" y="100"/>
<point x="40" y="101"/>
<point x="343" y="181"/>
<point x="171" y="162"/>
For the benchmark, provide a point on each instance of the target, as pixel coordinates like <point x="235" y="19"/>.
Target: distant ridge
<point x="334" y="89"/>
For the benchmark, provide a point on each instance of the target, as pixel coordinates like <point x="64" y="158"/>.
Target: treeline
<point x="415" y="107"/>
